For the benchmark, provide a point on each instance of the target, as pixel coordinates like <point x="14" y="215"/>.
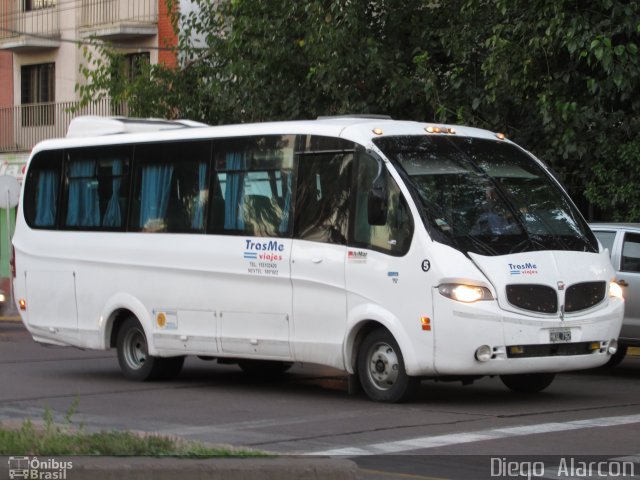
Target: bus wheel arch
<point x="114" y="323"/>
<point x="354" y="340"/>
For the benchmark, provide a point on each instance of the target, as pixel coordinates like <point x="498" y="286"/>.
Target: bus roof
<point x="89" y="131"/>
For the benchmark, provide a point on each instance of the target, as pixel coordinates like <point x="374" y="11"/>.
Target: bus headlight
<point x="464" y="293"/>
<point x="615" y="290"/>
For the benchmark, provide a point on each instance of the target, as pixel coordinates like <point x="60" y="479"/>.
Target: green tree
<point x="559" y="77"/>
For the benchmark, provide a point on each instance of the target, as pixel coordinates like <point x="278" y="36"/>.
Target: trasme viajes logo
<point x="38" y="469"/>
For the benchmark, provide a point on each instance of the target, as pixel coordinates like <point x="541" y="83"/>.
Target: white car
<point x="623" y="242"/>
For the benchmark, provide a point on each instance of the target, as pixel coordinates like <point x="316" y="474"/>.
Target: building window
<point x="134" y="64"/>
<point x="38" y="4"/>
<point x="37" y="87"/>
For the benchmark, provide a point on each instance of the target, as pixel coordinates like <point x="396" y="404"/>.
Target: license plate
<point x="558" y="336"/>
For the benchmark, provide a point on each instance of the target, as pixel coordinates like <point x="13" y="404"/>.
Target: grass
<point x="51" y="438"/>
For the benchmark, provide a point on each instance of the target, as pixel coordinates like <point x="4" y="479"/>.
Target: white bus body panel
<point x="293" y="300"/>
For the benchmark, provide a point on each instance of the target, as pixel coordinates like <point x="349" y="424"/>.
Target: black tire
<point x="134" y="359"/>
<point x="264" y="368"/>
<point x="617" y="357"/>
<point x="528" y="382"/>
<point x="381" y="369"/>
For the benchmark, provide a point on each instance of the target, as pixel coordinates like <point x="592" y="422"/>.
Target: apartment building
<point x="41" y="44"/>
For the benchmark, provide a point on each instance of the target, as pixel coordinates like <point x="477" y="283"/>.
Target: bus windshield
<point x="487" y="197"/>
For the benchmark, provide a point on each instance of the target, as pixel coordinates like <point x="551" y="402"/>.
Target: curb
<point x="158" y="468"/>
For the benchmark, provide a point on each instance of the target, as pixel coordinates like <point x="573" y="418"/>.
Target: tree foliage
<point x="559" y="77"/>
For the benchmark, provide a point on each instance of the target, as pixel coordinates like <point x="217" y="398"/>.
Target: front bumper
<point x="520" y="343"/>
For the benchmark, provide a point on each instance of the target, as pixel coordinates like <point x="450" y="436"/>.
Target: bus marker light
<point x="161" y="320"/>
<point x="426" y="323"/>
<point x="377" y="131"/>
<point x="484" y="353"/>
<point x="516" y="350"/>
<point x="23" y="304"/>
<point x="593" y="346"/>
<point x="501" y="136"/>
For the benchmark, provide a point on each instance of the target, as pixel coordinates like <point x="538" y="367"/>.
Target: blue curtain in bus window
<point x="154" y="197"/>
<point x="197" y="222"/>
<point x="113" y="213"/>
<point x="83" y="208"/>
<point x="286" y="185"/>
<point x="47" y="199"/>
<point x="233" y="208"/>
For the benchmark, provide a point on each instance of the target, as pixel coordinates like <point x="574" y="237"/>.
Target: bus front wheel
<point x="381" y="369"/>
<point x="134" y="359"/>
<point x="528" y="382"/>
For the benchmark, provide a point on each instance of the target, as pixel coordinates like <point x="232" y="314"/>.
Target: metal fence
<point x="103" y="12"/>
<point x="40" y="18"/>
<point x="29" y="17"/>
<point x="22" y="126"/>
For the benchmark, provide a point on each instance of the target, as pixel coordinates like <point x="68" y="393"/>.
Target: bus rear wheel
<point x="528" y="382"/>
<point x="381" y="369"/>
<point x="134" y="359"/>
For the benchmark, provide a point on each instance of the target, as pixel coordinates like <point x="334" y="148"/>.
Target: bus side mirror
<point x="377" y="201"/>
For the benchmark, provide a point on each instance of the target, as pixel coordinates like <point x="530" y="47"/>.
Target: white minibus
<point x="392" y="250"/>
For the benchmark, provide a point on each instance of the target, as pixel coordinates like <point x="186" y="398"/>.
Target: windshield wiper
<point x="479" y="244"/>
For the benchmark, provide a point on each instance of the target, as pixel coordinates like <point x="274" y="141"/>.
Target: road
<point x="449" y="431"/>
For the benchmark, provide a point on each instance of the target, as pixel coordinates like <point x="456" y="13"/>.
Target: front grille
<point x="533" y="297"/>
<point x="550" y="350"/>
<point x="584" y="295"/>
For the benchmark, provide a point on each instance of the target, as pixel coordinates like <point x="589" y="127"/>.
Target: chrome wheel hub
<point x="135" y="350"/>
<point x="383" y="366"/>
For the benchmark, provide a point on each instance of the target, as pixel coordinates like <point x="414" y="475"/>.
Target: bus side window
<point x="171" y="189"/>
<point x="42" y="190"/>
<point x="252" y="186"/>
<point x="97" y="187"/>
<point x="322" y="197"/>
<point x="394" y="237"/>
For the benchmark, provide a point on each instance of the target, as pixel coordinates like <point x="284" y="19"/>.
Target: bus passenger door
<point x="318" y="257"/>
<point x="250" y="207"/>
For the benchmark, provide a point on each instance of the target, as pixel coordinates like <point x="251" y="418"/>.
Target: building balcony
<point x="118" y="19"/>
<point x="22" y="126"/>
<point x="29" y="25"/>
